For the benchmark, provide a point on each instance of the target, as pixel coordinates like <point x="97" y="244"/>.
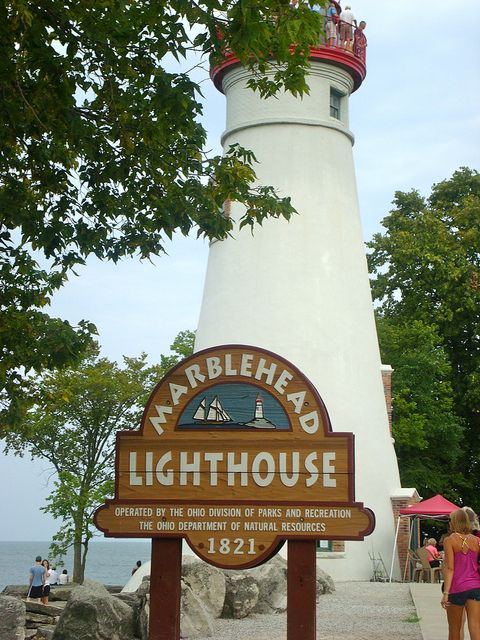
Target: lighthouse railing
<point x="343" y="36"/>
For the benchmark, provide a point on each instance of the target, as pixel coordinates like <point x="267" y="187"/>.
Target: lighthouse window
<point x="335" y="102"/>
<point x="329" y="546"/>
<point x="324" y="545"/>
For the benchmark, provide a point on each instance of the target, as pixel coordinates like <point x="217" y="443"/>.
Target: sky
<point x="416" y="119"/>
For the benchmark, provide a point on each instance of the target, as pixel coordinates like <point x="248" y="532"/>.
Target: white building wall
<point x="301" y="288"/>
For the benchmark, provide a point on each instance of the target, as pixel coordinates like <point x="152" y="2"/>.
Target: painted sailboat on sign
<point x="216" y="414"/>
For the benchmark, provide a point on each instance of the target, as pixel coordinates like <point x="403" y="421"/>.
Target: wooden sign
<point x="235" y="454"/>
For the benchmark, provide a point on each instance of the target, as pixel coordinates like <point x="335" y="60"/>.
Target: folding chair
<point x="416" y="566"/>
<point x="380" y="573"/>
<point x="433" y="573"/>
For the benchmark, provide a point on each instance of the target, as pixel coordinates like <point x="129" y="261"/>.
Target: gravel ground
<point x="355" y="611"/>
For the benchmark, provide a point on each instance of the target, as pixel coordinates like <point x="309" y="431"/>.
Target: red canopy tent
<point x="436" y="508"/>
<point x="433" y="507"/>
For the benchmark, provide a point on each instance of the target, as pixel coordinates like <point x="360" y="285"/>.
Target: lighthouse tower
<point x="259" y="407"/>
<point x="309" y="276"/>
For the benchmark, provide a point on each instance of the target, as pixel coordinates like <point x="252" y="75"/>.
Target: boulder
<point x="325" y="583"/>
<point x="45" y="633"/>
<point x="17" y="590"/>
<point x="144" y="615"/>
<point x="195" y="619"/>
<point x="62" y="592"/>
<point x="95" y="587"/>
<point x="40" y="615"/>
<point x="43" y="609"/>
<point x="144" y="588"/>
<point x="134" y="601"/>
<point x="12" y="618"/>
<point x="114" y="588"/>
<point x="33" y="620"/>
<point x="271" y="579"/>
<point x="57" y="593"/>
<point x="94" y="614"/>
<point x="207" y="583"/>
<point x="241" y="595"/>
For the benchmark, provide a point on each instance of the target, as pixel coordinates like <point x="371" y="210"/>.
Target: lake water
<point x="108" y="561"/>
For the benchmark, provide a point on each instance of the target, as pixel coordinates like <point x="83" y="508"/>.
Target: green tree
<point x="425" y="267"/>
<point x="72" y="426"/>
<point x="103" y="151"/>
<point x="428" y="434"/>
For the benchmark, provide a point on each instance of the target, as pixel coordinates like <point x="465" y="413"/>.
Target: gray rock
<point x="133" y="601"/>
<point x="45" y="633"/>
<point x="195" y="620"/>
<point x="17" y="590"/>
<point x="207" y="583"/>
<point x="12" y="618"/>
<point x="144" y="616"/>
<point x="44" y="609"/>
<point x="188" y="559"/>
<point x="113" y="588"/>
<point x="241" y="595"/>
<point x="33" y="620"/>
<point x="144" y="588"/>
<point x="96" y="587"/>
<point x="325" y="583"/>
<point x="271" y="579"/>
<point x="62" y="592"/>
<point x="93" y="614"/>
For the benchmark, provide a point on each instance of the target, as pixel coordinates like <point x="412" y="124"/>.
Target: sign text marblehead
<point x="235" y="453"/>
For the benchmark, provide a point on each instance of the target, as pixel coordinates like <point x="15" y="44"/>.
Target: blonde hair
<point x="460" y="522"/>
<point x="472" y="516"/>
<point x="431" y="541"/>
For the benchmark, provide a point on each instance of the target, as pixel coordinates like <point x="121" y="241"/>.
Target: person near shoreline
<point x="63" y="577"/>
<point x="36" y="579"/>
<point x="137" y="566"/>
<point x="462" y="579"/>
<point x="46" y="582"/>
<point x="53" y="578"/>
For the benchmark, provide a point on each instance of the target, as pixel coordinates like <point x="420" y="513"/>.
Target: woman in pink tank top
<point x="462" y="577"/>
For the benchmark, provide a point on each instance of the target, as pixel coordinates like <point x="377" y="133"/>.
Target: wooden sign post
<point x="235" y="455"/>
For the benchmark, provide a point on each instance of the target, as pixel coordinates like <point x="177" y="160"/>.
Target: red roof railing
<point x="341" y="43"/>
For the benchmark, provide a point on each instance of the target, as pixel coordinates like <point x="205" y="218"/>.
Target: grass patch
<point x="412" y="618"/>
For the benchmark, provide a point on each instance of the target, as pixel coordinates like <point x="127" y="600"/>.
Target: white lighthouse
<point x="259" y="408"/>
<point x="309" y="276"/>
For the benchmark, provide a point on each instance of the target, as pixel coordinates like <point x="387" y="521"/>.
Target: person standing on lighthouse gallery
<point x="347" y="19"/>
<point x="360" y="41"/>
<point x="331" y="25"/>
<point x="36" y="580"/>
